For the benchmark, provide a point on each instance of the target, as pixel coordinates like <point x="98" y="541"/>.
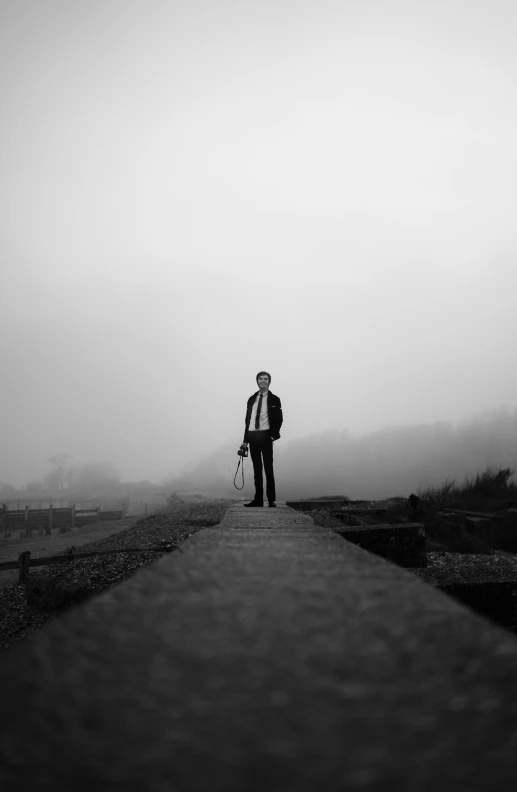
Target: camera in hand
<point x="243" y="451"/>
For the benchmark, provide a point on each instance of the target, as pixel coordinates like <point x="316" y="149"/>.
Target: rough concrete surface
<point x="254" y="659"/>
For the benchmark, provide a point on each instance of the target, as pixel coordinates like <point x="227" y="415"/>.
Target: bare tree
<point x="57" y="477"/>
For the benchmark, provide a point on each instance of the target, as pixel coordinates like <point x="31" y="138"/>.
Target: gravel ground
<point x="54" y="588"/>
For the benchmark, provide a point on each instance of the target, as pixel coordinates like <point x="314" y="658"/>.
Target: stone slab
<point x="288" y="659"/>
<point x="403" y="544"/>
<point x="505" y="531"/>
<point x="481" y="528"/>
<point x="318" y="504"/>
<point x="495" y="599"/>
<point x="497" y="530"/>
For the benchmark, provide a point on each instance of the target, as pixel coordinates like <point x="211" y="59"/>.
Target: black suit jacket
<point x="274" y="410"/>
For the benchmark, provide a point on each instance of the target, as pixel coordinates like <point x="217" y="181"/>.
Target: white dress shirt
<point x="263" y="417"/>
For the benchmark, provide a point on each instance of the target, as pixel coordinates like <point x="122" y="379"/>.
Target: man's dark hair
<point x="261" y="373"/>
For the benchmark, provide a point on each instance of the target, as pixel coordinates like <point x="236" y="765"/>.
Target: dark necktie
<point x="257" y="419"/>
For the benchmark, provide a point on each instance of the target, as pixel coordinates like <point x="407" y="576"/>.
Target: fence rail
<point x="25" y="561"/>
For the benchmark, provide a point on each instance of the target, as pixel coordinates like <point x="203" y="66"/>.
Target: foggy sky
<point x="192" y="192"/>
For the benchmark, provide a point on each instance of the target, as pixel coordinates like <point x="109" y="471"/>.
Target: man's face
<point x="263" y="381"/>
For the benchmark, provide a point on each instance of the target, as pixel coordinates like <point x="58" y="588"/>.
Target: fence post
<point x="28" y="531"/>
<point x="73" y="515"/>
<point x="50" y="521"/>
<point x="98" y="513"/>
<point x="23" y="566"/>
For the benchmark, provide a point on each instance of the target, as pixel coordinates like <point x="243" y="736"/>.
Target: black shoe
<point x="272" y="504"/>
<point x="254" y="503"/>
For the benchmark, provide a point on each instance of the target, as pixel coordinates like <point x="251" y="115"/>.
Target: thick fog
<point x="193" y="192"/>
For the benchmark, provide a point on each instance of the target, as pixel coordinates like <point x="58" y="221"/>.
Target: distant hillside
<point x="389" y="462"/>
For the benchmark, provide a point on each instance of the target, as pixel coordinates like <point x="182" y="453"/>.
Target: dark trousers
<point x="261" y="448"/>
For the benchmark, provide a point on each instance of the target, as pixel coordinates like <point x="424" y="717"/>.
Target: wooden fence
<point x="64" y="518"/>
<point x="25" y="561"/>
<point x="105" y="504"/>
<point x="129" y="507"/>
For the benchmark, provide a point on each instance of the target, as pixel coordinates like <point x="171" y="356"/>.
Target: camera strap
<point x="242" y="471"/>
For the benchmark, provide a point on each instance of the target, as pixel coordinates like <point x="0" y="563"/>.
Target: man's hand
<point x="244" y="445"/>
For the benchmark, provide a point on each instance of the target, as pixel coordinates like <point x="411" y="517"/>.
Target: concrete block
<point x="481" y="528"/>
<point x="403" y="544"/>
<point x="318" y="504"/>
<point x="505" y="530"/>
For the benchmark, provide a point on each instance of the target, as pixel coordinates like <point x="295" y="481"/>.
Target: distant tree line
<point x="393" y="461"/>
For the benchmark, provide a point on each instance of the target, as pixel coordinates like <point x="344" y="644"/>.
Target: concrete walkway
<point x="281" y="516"/>
<point x="251" y="660"/>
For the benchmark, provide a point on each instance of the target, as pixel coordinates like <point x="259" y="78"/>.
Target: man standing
<point x="263" y="421"/>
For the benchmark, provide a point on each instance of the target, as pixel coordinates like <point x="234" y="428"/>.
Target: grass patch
<point x="487" y="490"/>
